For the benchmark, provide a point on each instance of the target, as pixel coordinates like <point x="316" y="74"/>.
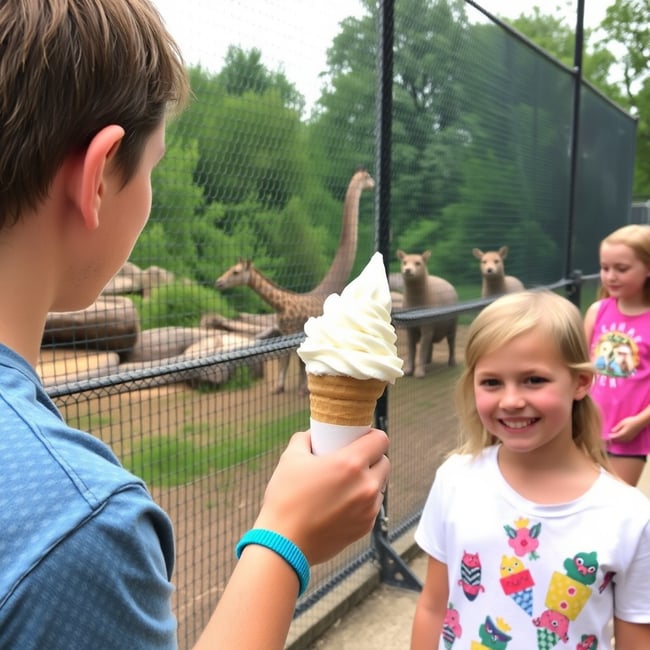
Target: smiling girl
<point x="525" y="528"/>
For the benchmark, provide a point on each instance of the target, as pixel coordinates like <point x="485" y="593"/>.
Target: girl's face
<point x="622" y="273"/>
<point x="524" y="393"/>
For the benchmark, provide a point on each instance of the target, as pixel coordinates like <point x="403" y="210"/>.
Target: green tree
<point x="167" y="238"/>
<point x="244" y="72"/>
<point x="554" y="35"/>
<point x="627" y="26"/>
<point x="428" y="128"/>
<point x="624" y="79"/>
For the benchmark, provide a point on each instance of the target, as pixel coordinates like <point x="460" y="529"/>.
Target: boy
<point x="86" y="556"/>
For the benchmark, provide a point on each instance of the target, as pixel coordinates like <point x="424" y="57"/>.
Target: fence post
<point x="577" y="90"/>
<point x="574" y="289"/>
<point x="393" y="569"/>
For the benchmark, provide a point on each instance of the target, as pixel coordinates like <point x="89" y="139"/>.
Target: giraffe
<point x="293" y="308"/>
<point x="339" y="271"/>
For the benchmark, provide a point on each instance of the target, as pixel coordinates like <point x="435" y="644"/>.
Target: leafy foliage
<point x="481" y="136"/>
<point x="179" y="304"/>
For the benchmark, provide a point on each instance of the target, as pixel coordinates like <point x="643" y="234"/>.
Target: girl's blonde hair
<point x="637" y="237"/>
<point x="499" y="323"/>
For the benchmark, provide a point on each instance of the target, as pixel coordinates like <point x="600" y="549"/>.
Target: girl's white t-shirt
<point x="525" y="576"/>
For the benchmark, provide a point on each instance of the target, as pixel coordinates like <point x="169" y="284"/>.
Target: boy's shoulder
<point x="41" y="451"/>
<point x="54" y="479"/>
<point x="50" y="471"/>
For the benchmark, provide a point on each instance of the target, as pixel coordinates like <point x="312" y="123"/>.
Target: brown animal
<point x="292" y="308"/>
<point x="424" y="290"/>
<point x="337" y="276"/>
<point x="495" y="280"/>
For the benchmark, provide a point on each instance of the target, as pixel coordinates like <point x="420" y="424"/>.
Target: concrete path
<point x="383" y="619"/>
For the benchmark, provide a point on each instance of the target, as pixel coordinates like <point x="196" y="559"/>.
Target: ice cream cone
<point x="341" y="410"/>
<point x="566" y="595"/>
<point x="343" y="400"/>
<point x="524" y="599"/>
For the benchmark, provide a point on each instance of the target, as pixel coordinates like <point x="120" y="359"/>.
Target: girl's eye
<point x="536" y="380"/>
<point x="489" y="383"/>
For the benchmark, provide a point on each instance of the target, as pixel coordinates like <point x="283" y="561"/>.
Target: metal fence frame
<point x="388" y="563"/>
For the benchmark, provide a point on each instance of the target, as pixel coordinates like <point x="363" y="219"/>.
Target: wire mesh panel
<point x="264" y="204"/>
<point x="605" y="175"/>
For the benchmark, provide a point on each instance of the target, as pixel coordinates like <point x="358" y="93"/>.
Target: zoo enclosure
<point x="475" y="138"/>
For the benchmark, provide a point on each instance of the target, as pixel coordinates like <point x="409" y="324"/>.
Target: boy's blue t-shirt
<point x="86" y="555"/>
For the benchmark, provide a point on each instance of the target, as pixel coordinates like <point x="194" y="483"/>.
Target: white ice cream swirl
<point x="355" y="337"/>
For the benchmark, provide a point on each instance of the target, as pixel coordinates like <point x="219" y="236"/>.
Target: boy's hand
<point x="324" y="503"/>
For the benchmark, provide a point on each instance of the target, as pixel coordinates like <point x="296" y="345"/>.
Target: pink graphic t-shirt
<point x="620" y="350"/>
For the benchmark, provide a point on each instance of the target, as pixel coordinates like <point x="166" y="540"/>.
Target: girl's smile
<point x="525" y="392"/>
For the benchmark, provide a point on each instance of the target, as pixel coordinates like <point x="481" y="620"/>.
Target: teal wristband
<point x="284" y="547"/>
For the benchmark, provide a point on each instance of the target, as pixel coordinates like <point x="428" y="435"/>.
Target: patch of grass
<point x="240" y="378"/>
<point x="89" y="422"/>
<point x="169" y="461"/>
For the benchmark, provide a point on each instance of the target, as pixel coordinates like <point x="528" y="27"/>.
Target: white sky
<point x="293" y="35"/>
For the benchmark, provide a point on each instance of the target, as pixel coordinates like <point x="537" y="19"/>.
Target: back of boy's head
<point x="637" y="237"/>
<point x="512" y="315"/>
<point x="69" y="68"/>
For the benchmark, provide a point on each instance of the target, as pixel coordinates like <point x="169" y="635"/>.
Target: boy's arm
<point x="431" y="608"/>
<point x="631" y="636"/>
<point x="105" y="585"/>
<point x="320" y="503"/>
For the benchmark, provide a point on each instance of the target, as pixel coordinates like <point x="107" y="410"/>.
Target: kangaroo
<point x="424" y="290"/>
<point x="495" y="280"/>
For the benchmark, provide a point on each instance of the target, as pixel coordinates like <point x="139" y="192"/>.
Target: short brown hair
<point x="68" y="68"/>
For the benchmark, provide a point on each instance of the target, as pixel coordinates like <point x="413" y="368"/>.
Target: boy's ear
<point x="95" y="165"/>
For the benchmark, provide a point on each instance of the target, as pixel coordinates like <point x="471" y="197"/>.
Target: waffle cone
<point x="343" y="400"/>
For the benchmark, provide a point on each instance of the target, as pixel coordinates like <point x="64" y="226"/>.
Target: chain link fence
<point x="471" y="136"/>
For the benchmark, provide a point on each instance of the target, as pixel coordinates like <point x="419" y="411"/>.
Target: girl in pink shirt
<point x="618" y="331"/>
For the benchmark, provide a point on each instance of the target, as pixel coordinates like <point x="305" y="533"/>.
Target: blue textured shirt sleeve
<point x="104" y="585"/>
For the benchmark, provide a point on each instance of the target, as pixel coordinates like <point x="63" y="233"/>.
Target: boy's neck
<point x="27" y="283"/>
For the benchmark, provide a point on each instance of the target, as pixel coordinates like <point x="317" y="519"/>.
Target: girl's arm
<point x="631" y="636"/>
<point x="629" y="427"/>
<point x="431" y="608"/>
<point x="590" y="320"/>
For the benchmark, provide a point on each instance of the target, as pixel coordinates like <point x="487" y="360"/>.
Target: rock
<point x="132" y="279"/>
<point x="127" y="280"/>
<point x="56" y="367"/>
<point x="111" y="323"/>
<point x="164" y="342"/>
<point x="154" y="277"/>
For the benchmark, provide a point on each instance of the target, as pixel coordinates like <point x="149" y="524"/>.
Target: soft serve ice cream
<point x="350" y="356"/>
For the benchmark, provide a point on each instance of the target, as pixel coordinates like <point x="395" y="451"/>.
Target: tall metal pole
<point x="394" y="570"/>
<point x="383" y="152"/>
<point x="577" y="91"/>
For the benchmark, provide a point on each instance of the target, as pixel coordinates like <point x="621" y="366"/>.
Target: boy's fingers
<point x="372" y="446"/>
